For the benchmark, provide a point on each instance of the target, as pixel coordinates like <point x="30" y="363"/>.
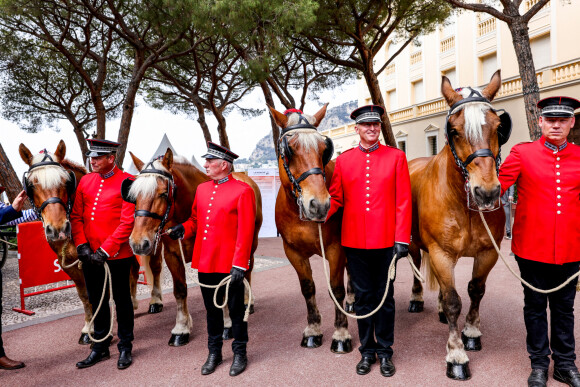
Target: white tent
<point x="161" y="149"/>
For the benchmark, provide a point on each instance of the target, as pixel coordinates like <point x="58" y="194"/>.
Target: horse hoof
<point x="458" y="371"/>
<point x="84" y="339"/>
<point x="416" y="306"/>
<point x="311" y="341"/>
<point x="228" y="334"/>
<point x="155" y="308"/>
<point x="251" y="308"/>
<point x="341" y="346"/>
<point x="471" y="343"/>
<point x="179" y="340"/>
<point x="442" y="318"/>
<point x="349" y="307"/>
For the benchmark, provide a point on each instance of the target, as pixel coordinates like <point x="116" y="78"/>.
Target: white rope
<point x="63" y="255"/>
<point x="107" y="278"/>
<point x="515" y="274"/>
<point x="391" y="276"/>
<point x="224" y="282"/>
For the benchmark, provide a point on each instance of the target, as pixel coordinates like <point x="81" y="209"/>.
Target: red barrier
<point x="37" y="263"/>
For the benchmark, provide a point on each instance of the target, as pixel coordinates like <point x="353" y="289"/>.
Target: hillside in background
<point x="264" y="152"/>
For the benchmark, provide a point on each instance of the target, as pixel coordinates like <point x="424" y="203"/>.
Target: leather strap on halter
<point x="148" y="214"/>
<point x="478" y="153"/>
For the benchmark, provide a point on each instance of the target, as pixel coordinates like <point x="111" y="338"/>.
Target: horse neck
<point x="77" y="169"/>
<point x="187" y="178"/>
<point x="454" y="179"/>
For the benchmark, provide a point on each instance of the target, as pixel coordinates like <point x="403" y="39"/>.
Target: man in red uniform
<point x="371" y="182"/>
<point x="222" y="219"/>
<point x="101" y="224"/>
<point x="546" y="236"/>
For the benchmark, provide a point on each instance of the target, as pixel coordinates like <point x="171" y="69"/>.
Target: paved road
<point x="276" y="358"/>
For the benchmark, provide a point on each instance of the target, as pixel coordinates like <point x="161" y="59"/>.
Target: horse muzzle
<point x="316" y="210"/>
<point x="486" y="199"/>
<point x="143" y="247"/>
<point x="56" y="234"/>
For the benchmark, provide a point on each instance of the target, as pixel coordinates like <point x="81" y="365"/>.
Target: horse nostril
<point x="67" y="228"/>
<point x="146" y="245"/>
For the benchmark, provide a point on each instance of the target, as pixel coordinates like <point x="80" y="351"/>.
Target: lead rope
<point x="520" y="278"/>
<point x="224" y="282"/>
<point x="391" y="276"/>
<point x="8" y="243"/>
<point x="107" y="278"/>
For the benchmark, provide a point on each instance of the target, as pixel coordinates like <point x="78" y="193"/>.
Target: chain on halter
<point x="474" y="97"/>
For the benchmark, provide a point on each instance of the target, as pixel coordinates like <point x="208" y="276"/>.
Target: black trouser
<point x="215" y="317"/>
<point x="94" y="279"/>
<point x="369" y="273"/>
<point x="547" y="276"/>
<point x="2" y="353"/>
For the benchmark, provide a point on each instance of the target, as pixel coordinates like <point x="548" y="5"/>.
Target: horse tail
<point x="145" y="262"/>
<point x="430" y="278"/>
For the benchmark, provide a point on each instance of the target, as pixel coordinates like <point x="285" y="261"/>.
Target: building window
<point x="488" y="67"/>
<point x="402" y="145"/>
<point x="392" y="100"/>
<point x="418" y="92"/>
<point x="541" y="51"/>
<point x="451" y="74"/>
<point x="432" y="145"/>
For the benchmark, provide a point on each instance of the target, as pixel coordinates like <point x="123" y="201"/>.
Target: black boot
<point x="364" y="365"/>
<point x="387" y="367"/>
<point x="125" y="360"/>
<point x="538" y="378"/>
<point x="213" y="360"/>
<point x="239" y="364"/>
<point x="94" y="358"/>
<point x="570" y="377"/>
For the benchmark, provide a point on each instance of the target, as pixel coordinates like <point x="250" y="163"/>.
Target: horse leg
<point x="228" y="333"/>
<point x="341" y="338"/>
<point x="416" y="304"/>
<point x="442" y="267"/>
<point x="312" y="336"/>
<point x="442" y="317"/>
<point x="133" y="278"/>
<point x="349" y="305"/>
<point x="183" y="322"/>
<point x="78" y="278"/>
<point x="482" y="265"/>
<point x="153" y="266"/>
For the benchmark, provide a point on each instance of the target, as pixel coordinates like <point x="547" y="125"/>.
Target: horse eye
<point x="453" y="132"/>
<point x="163" y="195"/>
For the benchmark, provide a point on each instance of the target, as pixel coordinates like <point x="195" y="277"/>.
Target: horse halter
<point x="29" y="187"/>
<point x="171" y="188"/>
<point x="286" y="156"/>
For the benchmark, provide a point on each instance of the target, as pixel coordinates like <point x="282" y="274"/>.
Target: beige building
<point x="468" y="51"/>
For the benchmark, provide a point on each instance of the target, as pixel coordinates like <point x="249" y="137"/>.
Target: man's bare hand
<point x="18" y="203"/>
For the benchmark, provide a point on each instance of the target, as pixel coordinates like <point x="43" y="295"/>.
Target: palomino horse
<point x="50" y="184"/>
<point x="305" y="174"/>
<point x="462" y="175"/>
<point x="163" y="194"/>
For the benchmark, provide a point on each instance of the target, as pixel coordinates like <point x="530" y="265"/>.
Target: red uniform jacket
<point x="101" y="217"/>
<point x="375" y="190"/>
<point x="222" y="218"/>
<point x="547" y="219"/>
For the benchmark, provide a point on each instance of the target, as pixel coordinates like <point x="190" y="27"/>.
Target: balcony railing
<point x="447" y="44"/>
<point x="530" y="3"/>
<point x="416" y="57"/>
<point x="486" y="26"/>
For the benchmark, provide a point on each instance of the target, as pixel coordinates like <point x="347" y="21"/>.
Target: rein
<point x="524" y="282"/>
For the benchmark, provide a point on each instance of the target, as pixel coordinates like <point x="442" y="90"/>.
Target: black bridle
<point x="149" y="169"/>
<point x="29" y="187"/>
<point x="284" y="150"/>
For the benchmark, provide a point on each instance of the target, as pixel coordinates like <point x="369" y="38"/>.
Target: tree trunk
<point x="221" y="128"/>
<point x="530" y="89"/>
<point x="100" y="112"/>
<point x="201" y="121"/>
<point x="8" y="178"/>
<point x="270" y="102"/>
<point x="377" y="98"/>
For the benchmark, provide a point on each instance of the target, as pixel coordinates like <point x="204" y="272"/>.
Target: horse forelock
<point x="306" y="140"/>
<point x="47" y="176"/>
<point x="145" y="185"/>
<point x="474" y="116"/>
<point x="294" y="119"/>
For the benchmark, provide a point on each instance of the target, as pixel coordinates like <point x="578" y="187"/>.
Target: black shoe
<point x="125" y="360"/>
<point x="387" y="367"/>
<point x="238" y="365"/>
<point x="364" y="365"/>
<point x="538" y="378"/>
<point x="213" y="360"/>
<point x="508" y="235"/>
<point x="570" y="377"/>
<point x="94" y="358"/>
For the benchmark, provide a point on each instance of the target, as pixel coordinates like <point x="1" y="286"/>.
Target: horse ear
<point x="281" y="119"/>
<point x="25" y="154"/>
<point x="451" y="96"/>
<point x="60" y="151"/>
<point x="168" y="159"/>
<point x="319" y="115"/>
<point x="493" y="87"/>
<point x="138" y="163"/>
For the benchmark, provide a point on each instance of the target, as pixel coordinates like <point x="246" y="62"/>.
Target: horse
<point x="163" y="194"/>
<point x="50" y="185"/>
<point x="301" y="202"/>
<point x="448" y="190"/>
